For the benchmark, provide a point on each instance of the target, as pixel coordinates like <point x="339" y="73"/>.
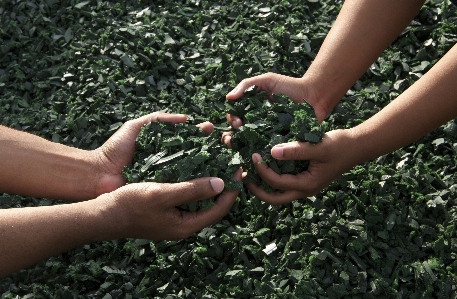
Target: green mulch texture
<point x="73" y="71"/>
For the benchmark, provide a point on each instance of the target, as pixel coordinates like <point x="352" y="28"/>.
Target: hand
<point x="148" y="210"/>
<point x="145" y="210"/>
<point x="297" y="89"/>
<point x="330" y="158"/>
<point x="118" y="150"/>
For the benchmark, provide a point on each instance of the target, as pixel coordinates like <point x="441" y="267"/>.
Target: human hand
<point x="298" y="90"/>
<point x="330" y="158"/>
<point x="149" y="210"/>
<point x="118" y="150"/>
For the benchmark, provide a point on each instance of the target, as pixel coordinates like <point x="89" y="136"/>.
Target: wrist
<point x="345" y="149"/>
<point x="110" y="220"/>
<point x="81" y="176"/>
<point x="362" y="147"/>
<point x="106" y="176"/>
<point x="326" y="90"/>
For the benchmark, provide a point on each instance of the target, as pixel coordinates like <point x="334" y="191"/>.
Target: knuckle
<point x="155" y="116"/>
<point x="107" y="155"/>
<point x="244" y="83"/>
<point x="129" y="122"/>
<point x="297" y="150"/>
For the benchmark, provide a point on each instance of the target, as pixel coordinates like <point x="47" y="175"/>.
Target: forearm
<point x="361" y="32"/>
<point x="427" y="104"/>
<point x="33" y="166"/>
<point x="29" y="235"/>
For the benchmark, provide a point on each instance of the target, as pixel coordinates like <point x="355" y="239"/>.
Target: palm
<point x="297" y="89"/>
<point x="118" y="150"/>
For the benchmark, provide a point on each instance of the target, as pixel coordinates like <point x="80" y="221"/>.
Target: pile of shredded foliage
<point x="73" y="71"/>
<point x="168" y="153"/>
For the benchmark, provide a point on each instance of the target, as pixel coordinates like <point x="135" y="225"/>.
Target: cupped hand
<point x="118" y="150"/>
<point x="330" y="158"/>
<point x="149" y="210"/>
<point x="298" y="90"/>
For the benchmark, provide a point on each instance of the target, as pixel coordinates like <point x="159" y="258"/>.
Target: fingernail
<point x="277" y="151"/>
<point x="256" y="158"/>
<point x="217" y="184"/>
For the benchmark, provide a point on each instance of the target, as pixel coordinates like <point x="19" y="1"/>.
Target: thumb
<point x="195" y="221"/>
<point x="130" y="129"/>
<point x="294" y="151"/>
<point x="195" y="190"/>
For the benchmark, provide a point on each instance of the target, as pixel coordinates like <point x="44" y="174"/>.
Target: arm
<point x="362" y="30"/>
<point x="146" y="210"/>
<point x="37" y="167"/>
<point x="427" y="104"/>
<point x="33" y="166"/>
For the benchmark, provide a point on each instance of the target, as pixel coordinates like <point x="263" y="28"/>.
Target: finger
<point x="195" y="221"/>
<point x="133" y="127"/>
<point x="226" y="137"/>
<point x="162" y="117"/>
<point x="274" y="198"/>
<point x="272" y="83"/>
<point x="195" y="190"/>
<point x="275" y="180"/>
<point x="295" y="151"/>
<point x="238" y="91"/>
<point x="206" y="127"/>
<point x="263" y="82"/>
<point x="234" y="121"/>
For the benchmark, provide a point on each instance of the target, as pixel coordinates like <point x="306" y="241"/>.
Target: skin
<point x="426" y="105"/>
<point x="58" y="171"/>
<point x="361" y="32"/>
<point x="102" y="208"/>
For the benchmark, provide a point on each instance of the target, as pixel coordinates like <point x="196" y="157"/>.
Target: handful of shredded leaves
<point x="168" y="153"/>
<point x="267" y="124"/>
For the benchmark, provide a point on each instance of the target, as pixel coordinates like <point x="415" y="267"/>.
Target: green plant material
<point x="267" y="124"/>
<point x="167" y="153"/>
<point x="73" y="71"/>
